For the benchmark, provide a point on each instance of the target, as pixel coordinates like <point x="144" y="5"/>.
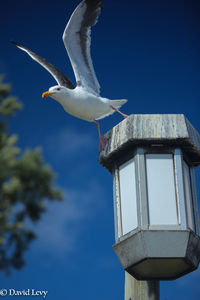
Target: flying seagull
<point x="83" y="100"/>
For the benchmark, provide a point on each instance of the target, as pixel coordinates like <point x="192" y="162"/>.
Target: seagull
<point x="83" y="100"/>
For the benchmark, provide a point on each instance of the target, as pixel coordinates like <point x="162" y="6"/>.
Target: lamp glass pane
<point x="188" y="196"/>
<point x="128" y="196"/>
<point x="161" y="189"/>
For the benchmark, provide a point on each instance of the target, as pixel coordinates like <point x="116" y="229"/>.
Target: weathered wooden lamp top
<point x="140" y="130"/>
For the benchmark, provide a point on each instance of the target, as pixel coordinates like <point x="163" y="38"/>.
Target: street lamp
<point x="152" y="159"/>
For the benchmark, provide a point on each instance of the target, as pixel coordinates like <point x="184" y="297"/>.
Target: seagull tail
<point x="117" y="103"/>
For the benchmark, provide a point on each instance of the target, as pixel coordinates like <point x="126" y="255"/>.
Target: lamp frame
<point x="138" y="155"/>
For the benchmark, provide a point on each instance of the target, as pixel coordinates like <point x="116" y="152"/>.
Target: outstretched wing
<point x="58" y="75"/>
<point x="77" y="40"/>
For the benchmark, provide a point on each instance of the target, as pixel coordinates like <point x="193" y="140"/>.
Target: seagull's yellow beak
<point x="46" y="94"/>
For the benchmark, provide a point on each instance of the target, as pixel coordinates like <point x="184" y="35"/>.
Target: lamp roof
<point x="148" y="130"/>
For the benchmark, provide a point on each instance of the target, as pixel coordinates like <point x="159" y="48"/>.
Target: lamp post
<point x="152" y="159"/>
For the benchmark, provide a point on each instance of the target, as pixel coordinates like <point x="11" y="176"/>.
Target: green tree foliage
<point x="25" y="186"/>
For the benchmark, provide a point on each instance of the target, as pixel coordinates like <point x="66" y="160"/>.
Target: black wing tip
<point x="15" y="43"/>
<point x="93" y="1"/>
<point x="97" y="3"/>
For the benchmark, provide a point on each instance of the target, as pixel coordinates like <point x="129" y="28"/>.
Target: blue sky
<point x="145" y="51"/>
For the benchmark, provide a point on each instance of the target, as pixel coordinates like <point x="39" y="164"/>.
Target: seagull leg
<point x="102" y="140"/>
<point x="116" y="109"/>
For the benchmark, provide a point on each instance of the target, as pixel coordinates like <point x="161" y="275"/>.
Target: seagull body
<point x="82" y="104"/>
<point x="84" y="100"/>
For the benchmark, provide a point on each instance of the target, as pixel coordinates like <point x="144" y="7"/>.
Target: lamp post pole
<point x="141" y="289"/>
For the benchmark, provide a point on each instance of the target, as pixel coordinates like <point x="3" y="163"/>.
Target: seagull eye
<point x="58" y="89"/>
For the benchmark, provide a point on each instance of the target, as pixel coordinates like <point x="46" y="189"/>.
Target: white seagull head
<point x="56" y="92"/>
